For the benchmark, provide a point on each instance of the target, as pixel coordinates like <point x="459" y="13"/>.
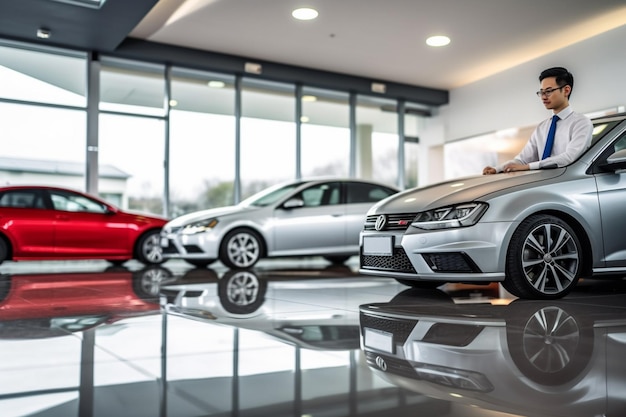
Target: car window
<point x="22" y="199"/>
<point x="620" y="144"/>
<point x="67" y="201"/>
<point x="321" y="195"/>
<point x="602" y="129"/>
<point x="367" y="193"/>
<point x="269" y="196"/>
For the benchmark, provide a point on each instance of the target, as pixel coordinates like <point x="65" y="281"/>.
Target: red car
<point x="48" y="305"/>
<point x="50" y="223"/>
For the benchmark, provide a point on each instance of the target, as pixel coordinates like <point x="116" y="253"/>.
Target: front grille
<point x="394" y="365"/>
<point x="399" y="262"/>
<point x="394" y="221"/>
<point x="450" y="262"/>
<point x="401" y="328"/>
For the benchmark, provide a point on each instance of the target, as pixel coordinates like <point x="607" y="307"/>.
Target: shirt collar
<point x="565" y="112"/>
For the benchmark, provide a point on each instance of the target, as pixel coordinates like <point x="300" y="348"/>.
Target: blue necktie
<point x="547" y="151"/>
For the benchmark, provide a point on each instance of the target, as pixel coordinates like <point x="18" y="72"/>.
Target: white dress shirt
<point x="572" y="138"/>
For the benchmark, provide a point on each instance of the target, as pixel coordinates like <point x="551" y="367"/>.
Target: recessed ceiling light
<point x="438" y="40"/>
<point x="309" y="98"/>
<point x="304" y="119"/>
<point x="216" y="84"/>
<point x="305" y="13"/>
<point x="173" y="103"/>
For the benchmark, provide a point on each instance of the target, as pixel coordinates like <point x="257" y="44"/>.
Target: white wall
<point x="507" y="100"/>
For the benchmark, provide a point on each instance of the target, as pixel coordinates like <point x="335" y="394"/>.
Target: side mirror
<point x="615" y="161"/>
<point x="293" y="203"/>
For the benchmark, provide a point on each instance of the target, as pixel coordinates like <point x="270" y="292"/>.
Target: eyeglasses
<point x="548" y="91"/>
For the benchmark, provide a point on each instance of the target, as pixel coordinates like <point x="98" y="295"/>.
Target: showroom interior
<point x="167" y="107"/>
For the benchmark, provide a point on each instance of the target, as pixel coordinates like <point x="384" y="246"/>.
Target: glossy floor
<point x="299" y="338"/>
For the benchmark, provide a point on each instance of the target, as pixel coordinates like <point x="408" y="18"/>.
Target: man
<point x="571" y="131"/>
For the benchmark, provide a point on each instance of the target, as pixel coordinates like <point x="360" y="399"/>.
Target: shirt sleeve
<point x="528" y="154"/>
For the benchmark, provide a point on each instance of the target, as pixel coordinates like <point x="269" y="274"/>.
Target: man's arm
<point x="526" y="157"/>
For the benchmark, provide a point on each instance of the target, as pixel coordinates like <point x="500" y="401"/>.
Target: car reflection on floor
<point x="548" y="358"/>
<point x="277" y="302"/>
<point x="56" y="304"/>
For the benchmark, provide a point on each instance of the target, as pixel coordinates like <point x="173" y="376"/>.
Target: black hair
<point x="562" y="76"/>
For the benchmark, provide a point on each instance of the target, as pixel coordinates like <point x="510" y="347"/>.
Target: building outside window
<point x="202" y="141"/>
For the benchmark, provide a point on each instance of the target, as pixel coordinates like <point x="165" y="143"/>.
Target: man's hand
<point x="515" y="167"/>
<point x="489" y="170"/>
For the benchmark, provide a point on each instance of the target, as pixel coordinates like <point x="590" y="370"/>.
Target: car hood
<point x="459" y="190"/>
<point x="210" y="213"/>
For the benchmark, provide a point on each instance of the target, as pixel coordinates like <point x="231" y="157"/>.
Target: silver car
<point x="537" y="232"/>
<point x="301" y="218"/>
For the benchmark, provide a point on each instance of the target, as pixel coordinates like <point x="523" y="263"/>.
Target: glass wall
<point x="188" y="138"/>
<point x="412" y="127"/>
<point x="202" y="141"/>
<point x="268" y="135"/>
<point x="325" y="133"/>
<point x="42" y="145"/>
<point x="132" y="87"/>
<point x="377" y="139"/>
<point x="133" y="147"/>
<point x="131" y="137"/>
<point x="43" y="118"/>
<point x="58" y="77"/>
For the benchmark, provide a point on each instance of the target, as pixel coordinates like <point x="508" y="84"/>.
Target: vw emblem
<point x="380" y="362"/>
<point x="381" y="221"/>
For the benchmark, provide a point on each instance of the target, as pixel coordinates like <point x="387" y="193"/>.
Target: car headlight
<point x="199" y="227"/>
<point x="460" y="215"/>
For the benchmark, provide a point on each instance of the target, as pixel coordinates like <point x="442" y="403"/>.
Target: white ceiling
<point x="384" y="40"/>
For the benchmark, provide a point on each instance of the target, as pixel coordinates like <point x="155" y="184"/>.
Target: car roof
<point x="311" y="180"/>
<point x="609" y="118"/>
<point x="38" y="187"/>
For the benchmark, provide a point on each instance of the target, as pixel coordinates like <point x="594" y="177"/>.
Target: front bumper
<point x="199" y="246"/>
<point x="474" y="253"/>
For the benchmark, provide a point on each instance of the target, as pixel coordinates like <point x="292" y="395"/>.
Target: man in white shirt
<point x="571" y="137"/>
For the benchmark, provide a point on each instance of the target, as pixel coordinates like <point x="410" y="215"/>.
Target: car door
<point x="85" y="227"/>
<point x="27" y="222"/>
<point x="611" y="196"/>
<point x="316" y="226"/>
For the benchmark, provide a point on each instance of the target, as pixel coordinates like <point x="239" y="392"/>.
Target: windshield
<point x="270" y="195"/>
<point x="601" y="129"/>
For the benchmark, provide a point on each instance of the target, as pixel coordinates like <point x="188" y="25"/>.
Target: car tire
<point x="241" y="248"/>
<point x="200" y="263"/>
<point x="241" y="292"/>
<point x="544" y="259"/>
<point x="5" y="286"/>
<point x="4" y="250"/>
<point x="147" y="282"/>
<point x="549" y="345"/>
<point x="148" y="249"/>
<point x="337" y="260"/>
